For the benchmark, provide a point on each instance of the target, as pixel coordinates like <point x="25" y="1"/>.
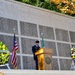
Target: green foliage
<point x="4" y="53"/>
<point x="42" y="3"/>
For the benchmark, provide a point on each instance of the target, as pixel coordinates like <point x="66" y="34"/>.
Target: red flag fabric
<point x="14" y="50"/>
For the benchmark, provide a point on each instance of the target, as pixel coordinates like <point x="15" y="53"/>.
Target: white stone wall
<point x="30" y="21"/>
<point x="28" y="13"/>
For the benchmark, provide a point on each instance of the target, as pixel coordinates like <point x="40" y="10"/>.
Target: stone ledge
<point x="39" y="72"/>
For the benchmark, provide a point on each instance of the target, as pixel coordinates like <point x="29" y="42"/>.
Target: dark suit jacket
<point x="35" y="49"/>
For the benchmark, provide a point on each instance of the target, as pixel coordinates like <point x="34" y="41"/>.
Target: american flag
<point x="14" y="50"/>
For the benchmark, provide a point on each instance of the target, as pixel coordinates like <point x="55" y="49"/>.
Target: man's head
<point x="37" y="42"/>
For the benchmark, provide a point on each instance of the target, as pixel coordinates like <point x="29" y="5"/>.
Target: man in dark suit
<point x="35" y="48"/>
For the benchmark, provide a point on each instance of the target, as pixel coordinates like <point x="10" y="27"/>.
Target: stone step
<point x="37" y="72"/>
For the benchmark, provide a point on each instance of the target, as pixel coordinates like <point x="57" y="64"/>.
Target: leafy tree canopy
<point x="62" y="6"/>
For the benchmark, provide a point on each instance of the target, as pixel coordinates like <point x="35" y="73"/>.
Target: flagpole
<point x="14" y="30"/>
<point x="14" y="50"/>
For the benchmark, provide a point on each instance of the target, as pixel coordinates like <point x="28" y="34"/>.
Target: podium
<point x="44" y="56"/>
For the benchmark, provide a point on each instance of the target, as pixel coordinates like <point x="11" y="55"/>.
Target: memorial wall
<point x="29" y="22"/>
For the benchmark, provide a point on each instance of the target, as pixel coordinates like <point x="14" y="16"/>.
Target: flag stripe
<point x="14" y="50"/>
